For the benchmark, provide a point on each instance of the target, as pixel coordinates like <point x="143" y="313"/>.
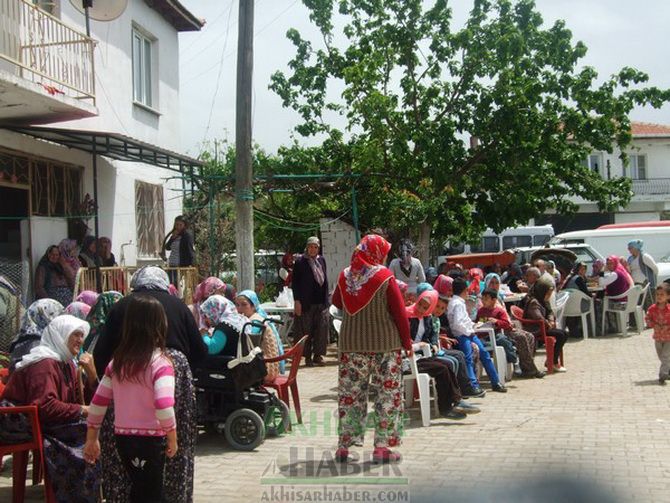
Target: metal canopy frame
<point x="115" y="146"/>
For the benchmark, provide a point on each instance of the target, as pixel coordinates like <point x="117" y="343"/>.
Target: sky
<point x="617" y="33"/>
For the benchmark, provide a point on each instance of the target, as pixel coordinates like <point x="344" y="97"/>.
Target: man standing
<point x="407" y="268"/>
<point x="310" y="292"/>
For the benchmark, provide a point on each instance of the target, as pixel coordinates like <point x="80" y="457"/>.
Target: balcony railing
<point x="651" y="186"/>
<point x="46" y="51"/>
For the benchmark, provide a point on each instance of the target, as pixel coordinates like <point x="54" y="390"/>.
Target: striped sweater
<point x="143" y="407"/>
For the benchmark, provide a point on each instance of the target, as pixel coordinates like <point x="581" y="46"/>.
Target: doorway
<point x="14" y="210"/>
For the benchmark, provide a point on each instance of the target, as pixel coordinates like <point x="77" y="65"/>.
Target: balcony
<point x="651" y="187"/>
<point x="46" y="67"/>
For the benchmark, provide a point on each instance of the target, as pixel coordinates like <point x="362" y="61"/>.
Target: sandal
<point x="385" y="455"/>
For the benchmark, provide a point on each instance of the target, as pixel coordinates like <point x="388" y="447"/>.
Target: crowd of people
<point x="112" y="374"/>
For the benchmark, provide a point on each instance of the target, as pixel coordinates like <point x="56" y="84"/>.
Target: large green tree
<point x="410" y="88"/>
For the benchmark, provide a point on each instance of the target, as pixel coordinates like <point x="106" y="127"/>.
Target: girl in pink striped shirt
<point x="140" y="381"/>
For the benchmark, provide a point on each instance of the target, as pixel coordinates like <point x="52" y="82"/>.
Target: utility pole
<point x="244" y="195"/>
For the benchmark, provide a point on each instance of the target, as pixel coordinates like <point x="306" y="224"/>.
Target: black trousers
<point x="144" y="461"/>
<point x="448" y="393"/>
<point x="462" y="374"/>
<point x="561" y="338"/>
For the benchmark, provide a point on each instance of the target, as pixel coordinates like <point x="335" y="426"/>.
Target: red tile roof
<point x="648" y="129"/>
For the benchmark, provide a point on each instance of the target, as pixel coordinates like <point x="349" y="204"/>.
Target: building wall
<point x="114" y="75"/>
<point x="118" y="114"/>
<point x="116" y="195"/>
<point x="338" y="240"/>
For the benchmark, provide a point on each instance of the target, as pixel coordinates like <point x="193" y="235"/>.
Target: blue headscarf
<point x="253" y="298"/>
<point x="636" y="243"/>
<point x="423" y="287"/>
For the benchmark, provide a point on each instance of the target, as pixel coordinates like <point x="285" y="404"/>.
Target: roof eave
<point x="177" y="15"/>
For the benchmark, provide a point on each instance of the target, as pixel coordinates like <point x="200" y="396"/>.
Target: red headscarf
<point x="432" y="297"/>
<point x="360" y="281"/>
<point x="476" y="275"/>
<point x="443" y="285"/>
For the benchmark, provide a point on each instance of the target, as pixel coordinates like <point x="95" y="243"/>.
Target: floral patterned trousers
<point x="379" y="374"/>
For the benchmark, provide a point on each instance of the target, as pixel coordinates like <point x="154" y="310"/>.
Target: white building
<point x="649" y="169"/>
<point x="75" y="111"/>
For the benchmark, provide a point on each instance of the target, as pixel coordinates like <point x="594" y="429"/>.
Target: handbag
<point x="247" y="370"/>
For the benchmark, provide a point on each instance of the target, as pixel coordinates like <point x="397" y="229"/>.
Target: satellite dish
<point x="102" y="10"/>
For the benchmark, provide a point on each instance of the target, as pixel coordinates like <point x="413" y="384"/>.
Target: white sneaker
<point x="558" y="368"/>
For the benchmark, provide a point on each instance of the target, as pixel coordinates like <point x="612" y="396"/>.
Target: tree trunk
<point x="423" y="244"/>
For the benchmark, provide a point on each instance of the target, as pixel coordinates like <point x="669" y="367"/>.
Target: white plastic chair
<point x="561" y="301"/>
<point x="640" y="304"/>
<point x="488" y="337"/>
<point x="424" y="384"/>
<point x="574" y="308"/>
<point x="633" y="296"/>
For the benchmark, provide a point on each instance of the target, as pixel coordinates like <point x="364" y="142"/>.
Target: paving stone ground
<point x="603" y="426"/>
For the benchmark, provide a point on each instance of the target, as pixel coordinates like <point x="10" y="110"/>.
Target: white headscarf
<point x="150" y="278"/>
<point x="53" y="344"/>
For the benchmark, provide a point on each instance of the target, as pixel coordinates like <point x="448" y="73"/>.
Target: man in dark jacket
<point x="310" y="292"/>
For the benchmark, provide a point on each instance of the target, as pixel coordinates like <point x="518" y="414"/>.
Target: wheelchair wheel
<point x="277" y="418"/>
<point x="244" y="430"/>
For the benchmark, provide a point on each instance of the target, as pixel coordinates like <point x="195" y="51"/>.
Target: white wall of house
<point x="158" y="125"/>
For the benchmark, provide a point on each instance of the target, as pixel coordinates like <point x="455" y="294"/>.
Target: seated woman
<point x="97" y="317"/>
<point x="268" y="340"/>
<point x="492" y="312"/>
<point x="47" y="377"/>
<point x="88" y="297"/>
<point x="55" y="276"/>
<point x="576" y="280"/>
<point x="33" y="322"/>
<point x="514" y="278"/>
<point x="553" y="271"/>
<point x="220" y="314"/>
<point x="78" y="310"/>
<point x="615" y="278"/>
<point x="423" y="336"/>
<point x="207" y="288"/>
<point x="538" y="307"/>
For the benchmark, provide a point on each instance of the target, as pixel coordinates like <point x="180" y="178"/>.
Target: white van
<point x="516" y="237"/>
<point x="615" y="241"/>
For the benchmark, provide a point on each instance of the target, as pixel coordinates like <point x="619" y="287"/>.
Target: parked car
<point x="663" y="268"/>
<point x="615" y="241"/>
<point x="582" y="253"/>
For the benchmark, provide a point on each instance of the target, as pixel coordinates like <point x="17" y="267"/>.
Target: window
<point x="516" y="242"/>
<point x="46" y="5"/>
<point x="149" y="218"/>
<point x="142" y="69"/>
<point x="454" y="248"/>
<point x="489" y="244"/>
<point x="638" y="166"/>
<point x="55" y="189"/>
<point x="541" y="239"/>
<point x="595" y="163"/>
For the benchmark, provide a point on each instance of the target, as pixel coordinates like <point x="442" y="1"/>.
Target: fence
<point x="46" y="51"/>
<point x="185" y="279"/>
<point x="13" y="285"/>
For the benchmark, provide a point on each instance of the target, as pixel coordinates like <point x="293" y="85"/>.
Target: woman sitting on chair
<point x="538" y="307"/>
<point x="268" y="340"/>
<point x="220" y="314"/>
<point x="435" y="364"/>
<point x="47" y="377"/>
